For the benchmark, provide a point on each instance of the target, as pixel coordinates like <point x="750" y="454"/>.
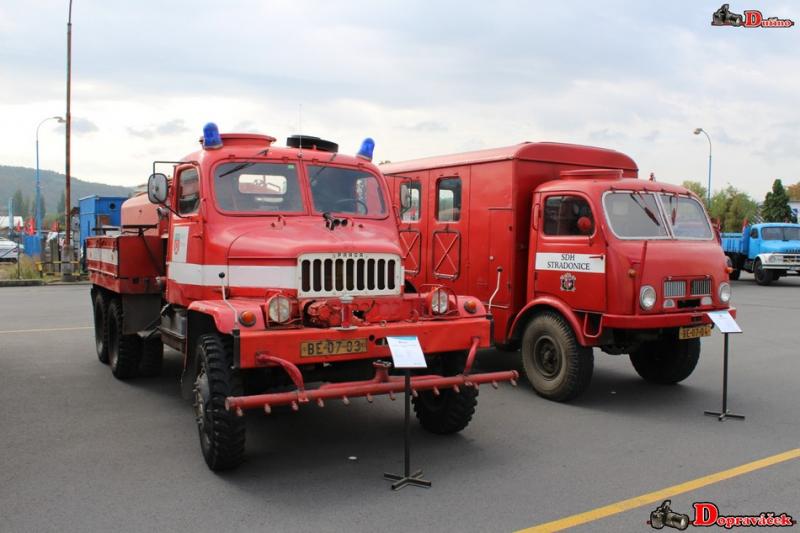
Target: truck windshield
<point x="686" y="217"/>
<point x="633" y="215"/>
<point x="257" y="188"/>
<point x="780" y="233"/>
<point x="345" y="190"/>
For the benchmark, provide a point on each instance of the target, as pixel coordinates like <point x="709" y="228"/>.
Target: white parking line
<point x="44" y="330"/>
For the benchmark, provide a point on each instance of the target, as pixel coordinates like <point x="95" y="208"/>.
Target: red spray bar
<point x="382" y="383"/>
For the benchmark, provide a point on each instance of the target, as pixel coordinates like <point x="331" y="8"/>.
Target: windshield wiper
<point x="646" y="209"/>
<point x="243" y="166"/>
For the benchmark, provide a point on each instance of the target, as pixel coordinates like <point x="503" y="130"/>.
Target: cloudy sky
<point x="421" y="77"/>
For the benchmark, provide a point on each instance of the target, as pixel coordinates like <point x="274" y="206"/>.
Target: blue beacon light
<point x="367" y="147"/>
<point x="211" y="138"/>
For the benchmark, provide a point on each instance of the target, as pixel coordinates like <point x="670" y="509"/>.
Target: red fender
<point x="225" y="313"/>
<point x="557" y="305"/>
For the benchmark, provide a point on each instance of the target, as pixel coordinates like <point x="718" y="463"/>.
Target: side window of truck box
<point x="189" y="191"/>
<point x="448" y="200"/>
<point x="410" y="193"/>
<point x="568" y="216"/>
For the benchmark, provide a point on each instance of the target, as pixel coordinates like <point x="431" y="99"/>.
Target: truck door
<point x="411" y="193"/>
<point x="570" y="253"/>
<point x="449" y="205"/>
<point x="185" y="253"/>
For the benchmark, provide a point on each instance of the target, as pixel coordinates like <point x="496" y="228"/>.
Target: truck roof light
<point x="367" y="148"/>
<point x="211" y="138"/>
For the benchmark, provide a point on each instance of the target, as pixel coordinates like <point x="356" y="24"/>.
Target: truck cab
<point x="570" y="251"/>
<point x="769" y="251"/>
<point x="271" y="269"/>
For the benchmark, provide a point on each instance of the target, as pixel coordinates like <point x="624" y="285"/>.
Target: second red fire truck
<point x="570" y="251"/>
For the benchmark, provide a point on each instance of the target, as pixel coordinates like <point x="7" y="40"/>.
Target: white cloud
<point x="421" y="78"/>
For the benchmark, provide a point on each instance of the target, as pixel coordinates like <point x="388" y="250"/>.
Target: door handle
<point x="601" y="256"/>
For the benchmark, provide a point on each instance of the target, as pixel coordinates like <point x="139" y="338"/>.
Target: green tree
<point x="731" y="208"/>
<point x="696" y="188"/>
<point x="20" y="204"/>
<point x="776" y="205"/>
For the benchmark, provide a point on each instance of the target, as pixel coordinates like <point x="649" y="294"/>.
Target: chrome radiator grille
<point x="674" y="289"/>
<point x="349" y="273"/>
<point x="701" y="287"/>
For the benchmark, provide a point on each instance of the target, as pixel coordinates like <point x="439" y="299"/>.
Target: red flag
<point x="29" y="227"/>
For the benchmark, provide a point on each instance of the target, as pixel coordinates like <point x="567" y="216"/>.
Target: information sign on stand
<point x="726" y="325"/>
<point x="407" y="354"/>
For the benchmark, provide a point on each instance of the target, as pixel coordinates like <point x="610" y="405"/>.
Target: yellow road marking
<point x="44" y="330"/>
<point x="660" y="495"/>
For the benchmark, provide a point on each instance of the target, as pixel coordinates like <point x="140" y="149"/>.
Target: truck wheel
<point x="556" y="365"/>
<point x="152" y="357"/>
<point x="762" y="275"/>
<point x="221" y="432"/>
<point x="667" y="361"/>
<point x="100" y="333"/>
<point x="451" y="411"/>
<point x="735" y="273"/>
<point x="124" y="351"/>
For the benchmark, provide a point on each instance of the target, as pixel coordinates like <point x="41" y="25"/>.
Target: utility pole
<point x="66" y="253"/>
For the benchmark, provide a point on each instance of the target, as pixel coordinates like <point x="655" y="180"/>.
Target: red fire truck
<point x="269" y="268"/>
<point x="570" y="252"/>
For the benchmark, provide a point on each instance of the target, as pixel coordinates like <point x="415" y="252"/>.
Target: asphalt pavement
<point x="81" y="451"/>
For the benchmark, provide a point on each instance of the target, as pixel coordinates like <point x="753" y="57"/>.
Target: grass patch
<point x="27" y="269"/>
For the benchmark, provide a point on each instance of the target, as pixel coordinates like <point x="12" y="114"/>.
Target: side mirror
<point x="157" y="188"/>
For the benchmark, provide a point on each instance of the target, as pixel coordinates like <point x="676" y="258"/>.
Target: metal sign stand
<point x="724" y="413"/>
<point x="407" y="478"/>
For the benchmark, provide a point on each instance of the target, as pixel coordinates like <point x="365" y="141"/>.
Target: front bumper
<point x="661" y="320"/>
<point x="444" y="335"/>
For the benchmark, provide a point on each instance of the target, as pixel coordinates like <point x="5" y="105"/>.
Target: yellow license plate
<point x="339" y="347"/>
<point x="694" y="332"/>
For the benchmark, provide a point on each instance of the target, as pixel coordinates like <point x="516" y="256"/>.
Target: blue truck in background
<point x="769" y="251"/>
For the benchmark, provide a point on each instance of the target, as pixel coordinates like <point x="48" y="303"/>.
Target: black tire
<point x="100" y="327"/>
<point x="222" y="433"/>
<point x="451" y="411"/>
<point x="667" y="361"/>
<point x="556" y="365"/>
<point x="763" y="276"/>
<point x="152" y="357"/>
<point x="735" y="273"/>
<point x="124" y="351"/>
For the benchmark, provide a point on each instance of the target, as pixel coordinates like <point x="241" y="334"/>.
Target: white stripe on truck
<point x="235" y="276"/>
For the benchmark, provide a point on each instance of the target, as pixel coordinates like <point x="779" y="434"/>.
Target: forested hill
<point x="24" y="179"/>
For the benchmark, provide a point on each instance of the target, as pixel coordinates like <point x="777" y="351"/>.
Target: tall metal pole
<point x="66" y="256"/>
<point x="698" y="131"/>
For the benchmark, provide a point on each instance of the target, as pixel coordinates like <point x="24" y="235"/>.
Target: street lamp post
<point x="37" y="209"/>
<point x="698" y="131"/>
<point x="66" y="255"/>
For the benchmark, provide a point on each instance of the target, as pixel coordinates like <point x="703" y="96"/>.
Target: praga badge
<point x="567" y="282"/>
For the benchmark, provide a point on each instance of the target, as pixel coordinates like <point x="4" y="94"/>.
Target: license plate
<point x="693" y="332"/>
<point x="319" y="348"/>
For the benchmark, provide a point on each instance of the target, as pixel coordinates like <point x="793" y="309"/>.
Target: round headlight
<point x="647" y="297"/>
<point x="775" y="258"/>
<point x="439" y="302"/>
<point x="280" y="309"/>
<point x="724" y="292"/>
